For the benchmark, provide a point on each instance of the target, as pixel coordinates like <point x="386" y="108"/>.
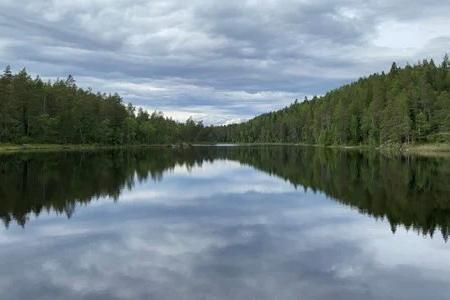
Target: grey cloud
<point x="293" y="48"/>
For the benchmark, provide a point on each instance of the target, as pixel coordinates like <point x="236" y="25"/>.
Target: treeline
<point x="34" y="111"/>
<point x="407" y="105"/>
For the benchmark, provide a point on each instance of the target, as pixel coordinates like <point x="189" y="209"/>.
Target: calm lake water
<point x="224" y="223"/>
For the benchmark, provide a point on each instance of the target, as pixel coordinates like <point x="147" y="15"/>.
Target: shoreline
<point x="13" y="148"/>
<point x="413" y="149"/>
<point x="417" y="149"/>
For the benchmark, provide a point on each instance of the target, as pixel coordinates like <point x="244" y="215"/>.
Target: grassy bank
<point x="416" y="149"/>
<point x="442" y="149"/>
<point x="429" y="149"/>
<point x="11" y="148"/>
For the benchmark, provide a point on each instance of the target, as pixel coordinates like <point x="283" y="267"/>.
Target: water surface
<point x="224" y="223"/>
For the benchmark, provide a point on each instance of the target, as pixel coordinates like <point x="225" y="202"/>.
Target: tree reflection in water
<point x="406" y="190"/>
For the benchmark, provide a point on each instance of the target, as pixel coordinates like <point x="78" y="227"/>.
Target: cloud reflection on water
<point x="220" y="231"/>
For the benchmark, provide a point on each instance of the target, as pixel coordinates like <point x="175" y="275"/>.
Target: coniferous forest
<point x="34" y="111"/>
<point x="406" y="105"/>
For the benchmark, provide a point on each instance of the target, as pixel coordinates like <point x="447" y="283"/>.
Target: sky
<point x="218" y="61"/>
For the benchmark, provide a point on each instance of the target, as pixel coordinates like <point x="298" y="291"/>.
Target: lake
<point x="266" y="222"/>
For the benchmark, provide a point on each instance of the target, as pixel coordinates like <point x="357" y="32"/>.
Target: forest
<point x="59" y="112"/>
<point x="406" y="105"/>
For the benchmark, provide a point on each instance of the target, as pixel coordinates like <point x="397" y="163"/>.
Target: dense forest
<point x="34" y="111"/>
<point x="407" y="105"/>
<point x="408" y="191"/>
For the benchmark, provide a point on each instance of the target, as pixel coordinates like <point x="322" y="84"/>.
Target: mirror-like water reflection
<point x="224" y="222"/>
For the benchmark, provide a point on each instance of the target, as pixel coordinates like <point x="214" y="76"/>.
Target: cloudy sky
<point x="218" y="61"/>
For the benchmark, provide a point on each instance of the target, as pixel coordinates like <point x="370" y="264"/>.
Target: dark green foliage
<point x="33" y="111"/>
<point x="407" y="105"/>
